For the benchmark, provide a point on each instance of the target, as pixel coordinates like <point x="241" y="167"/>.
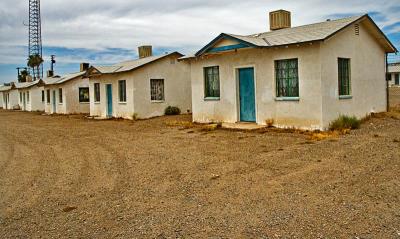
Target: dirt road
<point x="69" y="177"/>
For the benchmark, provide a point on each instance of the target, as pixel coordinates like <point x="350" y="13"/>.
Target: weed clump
<point x="171" y="110"/>
<point x="345" y="122"/>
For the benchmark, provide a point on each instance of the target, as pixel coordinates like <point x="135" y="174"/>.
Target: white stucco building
<point x="30" y="95"/>
<point x="141" y="88"/>
<point x="68" y="94"/>
<point x="10" y="96"/>
<point x="394" y="74"/>
<point x="301" y="77"/>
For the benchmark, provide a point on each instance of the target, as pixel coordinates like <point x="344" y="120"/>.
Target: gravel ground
<point x="71" y="177"/>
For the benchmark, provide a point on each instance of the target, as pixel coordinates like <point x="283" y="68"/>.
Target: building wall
<point x="13" y="99"/>
<point x="368" y="85"/>
<point x="34" y="102"/>
<point x="176" y="90"/>
<point x="1" y="100"/>
<point x="70" y="98"/>
<point x="392" y="79"/>
<point x="305" y="113"/>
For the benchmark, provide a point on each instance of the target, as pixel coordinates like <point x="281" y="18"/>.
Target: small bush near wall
<point x="345" y="122"/>
<point x="170" y="110"/>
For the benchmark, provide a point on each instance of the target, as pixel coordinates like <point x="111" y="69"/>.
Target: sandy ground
<point x="70" y="177"/>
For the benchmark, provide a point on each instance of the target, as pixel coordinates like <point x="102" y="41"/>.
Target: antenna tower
<point x="35" y="35"/>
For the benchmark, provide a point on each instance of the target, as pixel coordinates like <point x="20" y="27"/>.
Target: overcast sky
<point x="109" y="31"/>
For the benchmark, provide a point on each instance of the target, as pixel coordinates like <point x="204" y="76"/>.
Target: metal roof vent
<point x="280" y="19"/>
<point x="145" y="51"/>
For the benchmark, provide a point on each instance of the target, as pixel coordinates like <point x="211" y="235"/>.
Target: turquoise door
<point x="109" y="101"/>
<point x="247" y="95"/>
<point x="54" y="102"/>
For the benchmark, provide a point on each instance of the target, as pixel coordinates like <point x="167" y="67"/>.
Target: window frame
<point x="151" y="90"/>
<point x="206" y="83"/>
<point x="122" y="92"/>
<point x="396" y="78"/>
<point x="278" y="95"/>
<point x="79" y="95"/>
<point x="60" y="96"/>
<point x="97" y="94"/>
<point x="43" y="97"/>
<point x="48" y="97"/>
<point x="348" y="92"/>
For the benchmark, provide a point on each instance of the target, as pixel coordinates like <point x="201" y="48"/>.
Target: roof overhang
<point x="209" y="47"/>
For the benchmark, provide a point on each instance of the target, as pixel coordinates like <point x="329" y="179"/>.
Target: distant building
<point x="140" y="88"/>
<point x="394" y="74"/>
<point x="68" y="94"/>
<point x="10" y="96"/>
<point x="30" y="94"/>
<point x="301" y="77"/>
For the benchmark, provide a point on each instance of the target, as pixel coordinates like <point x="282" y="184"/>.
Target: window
<point x="344" y="77"/>
<point x="211" y="82"/>
<point x="157" y="89"/>
<point x="122" y="90"/>
<point x="84" y="95"/>
<point x="397" y="79"/>
<point x="97" y="92"/>
<point x="20" y="97"/>
<point x="60" y="96"/>
<point x="287" y="78"/>
<point x="27" y="97"/>
<point x="48" y="96"/>
<point x="42" y="95"/>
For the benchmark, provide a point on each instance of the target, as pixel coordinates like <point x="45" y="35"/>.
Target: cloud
<point x="104" y="31"/>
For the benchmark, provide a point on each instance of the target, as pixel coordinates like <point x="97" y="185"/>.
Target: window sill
<point x="122" y="103"/>
<point x="345" y="97"/>
<point x="60" y="103"/>
<point x="212" y="99"/>
<point x="287" y="99"/>
<point x="97" y="102"/>
<point x="84" y="103"/>
<point x="158" y="101"/>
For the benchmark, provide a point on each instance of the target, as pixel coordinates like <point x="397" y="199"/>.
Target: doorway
<point x="247" y="95"/>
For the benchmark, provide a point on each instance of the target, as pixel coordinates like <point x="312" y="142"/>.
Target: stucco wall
<point x="305" y="113"/>
<point x="13" y="99"/>
<point x="1" y="100"/>
<point x="367" y="75"/>
<point x="176" y="77"/>
<point x="35" y="99"/>
<point x="70" y="96"/>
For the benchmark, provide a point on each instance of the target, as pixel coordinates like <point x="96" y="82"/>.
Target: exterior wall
<point x="34" y="103"/>
<point x="177" y="93"/>
<point x="70" y="98"/>
<point x="368" y="85"/>
<point x="305" y="113"/>
<point x="1" y="100"/>
<point x="13" y="99"/>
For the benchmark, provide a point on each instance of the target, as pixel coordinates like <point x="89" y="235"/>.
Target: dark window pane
<point x="287" y="78"/>
<point x="344" y="73"/>
<point x="84" y="95"/>
<point x="157" y="89"/>
<point x="122" y="90"/>
<point x="60" y="96"/>
<point x="211" y="82"/>
<point x="97" y="92"/>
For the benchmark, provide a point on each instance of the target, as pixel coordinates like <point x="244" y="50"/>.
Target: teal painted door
<point x="247" y="95"/>
<point x="109" y="101"/>
<point x="54" y="102"/>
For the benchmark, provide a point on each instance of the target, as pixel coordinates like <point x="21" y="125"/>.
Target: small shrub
<point x="345" y="122"/>
<point x="171" y="110"/>
<point x="135" y="116"/>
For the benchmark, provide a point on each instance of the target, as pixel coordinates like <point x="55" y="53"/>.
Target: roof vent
<point x="280" y="19"/>
<point x="50" y="73"/>
<point x="145" y="51"/>
<point x="83" y="67"/>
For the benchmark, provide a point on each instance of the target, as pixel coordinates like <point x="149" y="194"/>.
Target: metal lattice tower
<point x="35" y="35"/>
